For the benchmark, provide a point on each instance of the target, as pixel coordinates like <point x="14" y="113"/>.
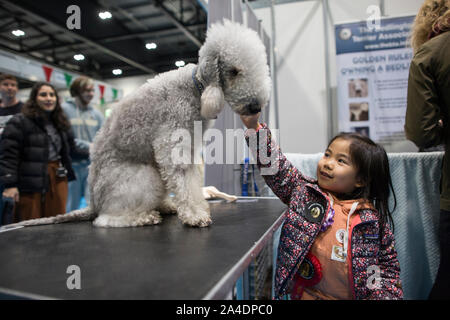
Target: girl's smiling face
<point x="336" y="172"/>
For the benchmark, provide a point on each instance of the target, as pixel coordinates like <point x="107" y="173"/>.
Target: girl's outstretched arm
<point x="279" y="173"/>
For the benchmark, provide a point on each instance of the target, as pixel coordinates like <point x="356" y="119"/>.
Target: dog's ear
<point x="212" y="102"/>
<point x="212" y="99"/>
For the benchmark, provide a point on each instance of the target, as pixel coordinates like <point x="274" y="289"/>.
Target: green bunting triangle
<point x="114" y="91"/>
<point x="68" y="78"/>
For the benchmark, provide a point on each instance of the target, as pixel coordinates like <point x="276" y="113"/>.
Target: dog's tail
<point x="76" y="215"/>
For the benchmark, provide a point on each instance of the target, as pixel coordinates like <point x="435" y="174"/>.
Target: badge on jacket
<point x="314" y="212"/>
<point x="337" y="254"/>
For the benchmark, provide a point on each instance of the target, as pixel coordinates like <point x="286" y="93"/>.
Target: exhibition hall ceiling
<point x="139" y="37"/>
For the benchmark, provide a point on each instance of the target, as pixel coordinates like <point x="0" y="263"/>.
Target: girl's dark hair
<point x="372" y="165"/>
<point x="32" y="110"/>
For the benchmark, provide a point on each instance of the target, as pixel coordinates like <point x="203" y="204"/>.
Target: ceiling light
<point x="151" y="46"/>
<point x="18" y="33"/>
<point x="105" y="15"/>
<point x="78" y="57"/>
<point x="117" y="72"/>
<point x="180" y="63"/>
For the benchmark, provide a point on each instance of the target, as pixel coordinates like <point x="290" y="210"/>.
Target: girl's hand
<point x="12" y="193"/>
<point x="251" y="121"/>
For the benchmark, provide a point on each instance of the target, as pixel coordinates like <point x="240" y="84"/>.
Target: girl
<point x="35" y="163"/>
<point x="336" y="241"/>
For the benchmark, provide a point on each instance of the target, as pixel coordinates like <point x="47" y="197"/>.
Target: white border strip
<point x="5" y="228"/>
<point x="23" y="295"/>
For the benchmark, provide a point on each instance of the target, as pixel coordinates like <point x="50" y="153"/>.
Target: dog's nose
<point x="254" y="107"/>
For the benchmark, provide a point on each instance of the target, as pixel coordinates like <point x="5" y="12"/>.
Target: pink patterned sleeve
<point x="279" y="173"/>
<point x="390" y="284"/>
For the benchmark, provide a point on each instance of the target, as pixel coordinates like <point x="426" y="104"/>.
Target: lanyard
<point x="352" y="210"/>
<point x="345" y="244"/>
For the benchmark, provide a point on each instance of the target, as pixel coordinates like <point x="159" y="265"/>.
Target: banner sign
<point x="373" y="67"/>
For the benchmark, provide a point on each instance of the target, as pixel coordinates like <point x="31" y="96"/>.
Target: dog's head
<point x="233" y="66"/>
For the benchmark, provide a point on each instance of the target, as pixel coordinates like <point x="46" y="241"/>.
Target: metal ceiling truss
<point x="185" y="15"/>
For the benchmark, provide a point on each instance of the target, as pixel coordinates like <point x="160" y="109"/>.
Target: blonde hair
<point x="79" y="85"/>
<point x="433" y="16"/>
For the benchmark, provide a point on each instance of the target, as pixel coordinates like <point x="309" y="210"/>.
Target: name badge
<point x="337" y="254"/>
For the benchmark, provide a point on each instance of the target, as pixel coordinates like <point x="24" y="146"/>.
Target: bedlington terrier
<point x="131" y="172"/>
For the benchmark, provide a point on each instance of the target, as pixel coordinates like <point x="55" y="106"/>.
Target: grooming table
<point x="165" y="261"/>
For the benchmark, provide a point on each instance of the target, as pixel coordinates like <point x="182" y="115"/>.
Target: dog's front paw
<point x="202" y="222"/>
<point x="196" y="217"/>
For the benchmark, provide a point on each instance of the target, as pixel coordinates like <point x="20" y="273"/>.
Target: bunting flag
<point x="48" y="72"/>
<point x="102" y="92"/>
<point x="114" y="91"/>
<point x="68" y="78"/>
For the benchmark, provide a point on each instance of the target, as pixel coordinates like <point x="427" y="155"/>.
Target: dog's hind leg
<point x="131" y="197"/>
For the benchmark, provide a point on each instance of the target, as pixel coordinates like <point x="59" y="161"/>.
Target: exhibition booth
<point x="334" y="65"/>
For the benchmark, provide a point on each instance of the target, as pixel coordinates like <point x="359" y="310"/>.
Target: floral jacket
<point x="374" y="270"/>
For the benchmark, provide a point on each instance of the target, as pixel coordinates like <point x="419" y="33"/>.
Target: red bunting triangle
<point x="48" y="72"/>
<point x="102" y="90"/>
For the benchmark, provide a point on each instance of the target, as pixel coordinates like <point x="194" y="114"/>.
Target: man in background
<point x="9" y="106"/>
<point x="85" y="121"/>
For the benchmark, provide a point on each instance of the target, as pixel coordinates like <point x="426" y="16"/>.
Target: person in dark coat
<point x="35" y="162"/>
<point x="9" y="106"/>
<point x="428" y="111"/>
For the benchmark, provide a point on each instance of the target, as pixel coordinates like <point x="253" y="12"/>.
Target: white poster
<point x="373" y="67"/>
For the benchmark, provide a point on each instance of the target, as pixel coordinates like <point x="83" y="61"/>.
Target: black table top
<point x="165" y="261"/>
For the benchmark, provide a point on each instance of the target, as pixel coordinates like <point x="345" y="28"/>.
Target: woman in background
<point x="35" y="163"/>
